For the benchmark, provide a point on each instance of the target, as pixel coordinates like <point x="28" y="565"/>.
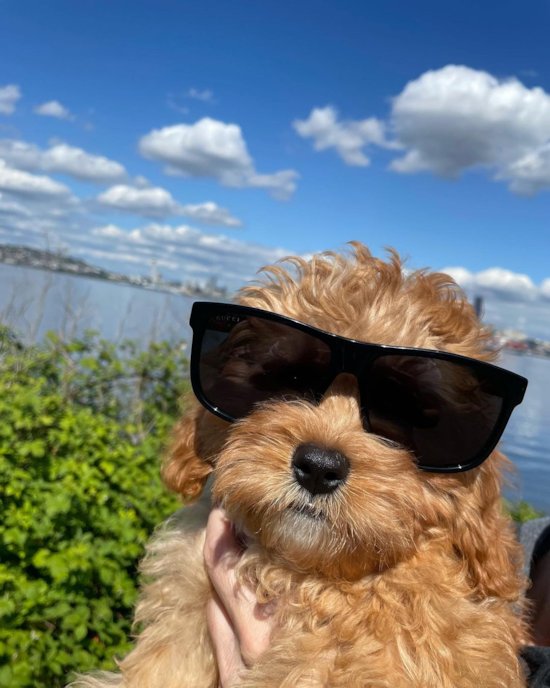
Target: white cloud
<point x="172" y="101"/>
<point x="13" y="208"/>
<point x="500" y="283"/>
<point x="449" y="121"/>
<point x="205" y="95"/>
<point x="53" y="108"/>
<point x="456" y="118"/>
<point x="62" y="159"/>
<point x="141" y="182"/>
<point x="281" y="185"/>
<point x="462" y="276"/>
<point x="156" y="202"/>
<point x="206" y="149"/>
<point x="195" y="253"/>
<point x="545" y="289"/>
<point x="109" y="231"/>
<point x="9" y="95"/>
<point x="20" y="154"/>
<point x="210" y="214"/>
<point x="531" y="173"/>
<point x="173" y="104"/>
<point x="122" y="257"/>
<point x="151" y="202"/>
<point x="81" y="165"/>
<point x="506" y="283"/>
<point x="32" y="206"/>
<point x="348" y="137"/>
<point x="210" y="148"/>
<point x="31" y="185"/>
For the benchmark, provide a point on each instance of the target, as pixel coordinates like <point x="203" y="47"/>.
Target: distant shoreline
<point x="47" y="261"/>
<point x="523" y="354"/>
<point x="94" y="277"/>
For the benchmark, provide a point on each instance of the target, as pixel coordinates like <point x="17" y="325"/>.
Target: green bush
<point x="82" y="428"/>
<point x="522" y="511"/>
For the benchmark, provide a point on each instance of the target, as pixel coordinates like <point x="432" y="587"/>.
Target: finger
<point x="252" y="622"/>
<point x="243" y="635"/>
<point x="221" y="555"/>
<point x="226" y="645"/>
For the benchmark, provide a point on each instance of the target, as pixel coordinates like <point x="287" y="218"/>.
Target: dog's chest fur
<point x="412" y="626"/>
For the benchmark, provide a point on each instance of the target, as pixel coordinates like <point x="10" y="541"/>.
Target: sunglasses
<point x="448" y="410"/>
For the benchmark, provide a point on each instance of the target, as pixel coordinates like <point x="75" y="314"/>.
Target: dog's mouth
<point x="307" y="509"/>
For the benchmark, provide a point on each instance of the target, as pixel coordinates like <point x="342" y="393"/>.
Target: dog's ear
<point x="483" y="536"/>
<point x="187" y="463"/>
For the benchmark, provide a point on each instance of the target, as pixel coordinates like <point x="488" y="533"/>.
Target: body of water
<point x="526" y="439"/>
<point x="34" y="302"/>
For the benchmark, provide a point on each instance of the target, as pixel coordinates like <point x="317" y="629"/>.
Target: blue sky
<point x="216" y="137"/>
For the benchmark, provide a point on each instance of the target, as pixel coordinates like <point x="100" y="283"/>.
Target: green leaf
<point x="7" y="607"/>
<point x="81" y="631"/>
<point x="40" y="559"/>
<point x="6" y="676"/>
<point x="37" y="449"/>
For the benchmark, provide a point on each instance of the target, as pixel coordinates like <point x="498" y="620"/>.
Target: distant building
<point x="478" y="305"/>
<point x="155" y="277"/>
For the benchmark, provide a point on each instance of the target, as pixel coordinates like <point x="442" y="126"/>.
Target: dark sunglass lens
<point x="245" y="360"/>
<point x="444" y="412"/>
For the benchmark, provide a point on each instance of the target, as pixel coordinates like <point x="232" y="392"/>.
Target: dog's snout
<point x="320" y="471"/>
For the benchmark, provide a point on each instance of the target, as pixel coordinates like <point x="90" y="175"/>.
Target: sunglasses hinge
<point x="354" y="359"/>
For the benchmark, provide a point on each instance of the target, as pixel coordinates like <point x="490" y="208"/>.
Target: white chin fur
<point x="301" y="529"/>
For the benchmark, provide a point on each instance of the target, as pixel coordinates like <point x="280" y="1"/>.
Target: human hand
<point x="239" y="626"/>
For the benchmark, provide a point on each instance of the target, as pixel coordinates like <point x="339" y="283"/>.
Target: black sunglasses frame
<point x="355" y="357"/>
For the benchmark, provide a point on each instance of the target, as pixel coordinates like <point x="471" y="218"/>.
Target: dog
<point x="396" y="577"/>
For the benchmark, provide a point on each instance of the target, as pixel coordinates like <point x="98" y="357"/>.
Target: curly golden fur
<point x="408" y="579"/>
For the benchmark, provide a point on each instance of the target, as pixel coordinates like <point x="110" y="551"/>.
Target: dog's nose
<point x="320" y="471"/>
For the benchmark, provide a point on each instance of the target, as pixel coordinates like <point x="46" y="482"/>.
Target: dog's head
<point x="384" y="507"/>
